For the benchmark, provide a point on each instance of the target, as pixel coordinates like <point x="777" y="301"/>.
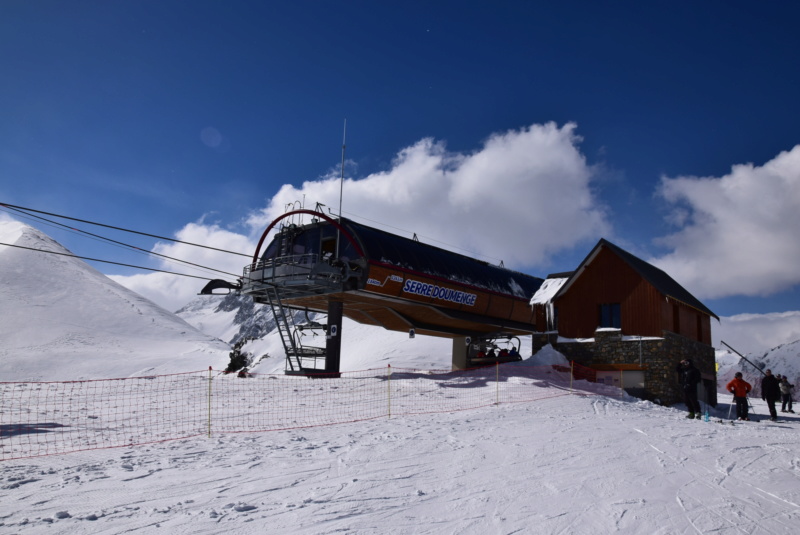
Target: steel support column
<point x="333" y="341"/>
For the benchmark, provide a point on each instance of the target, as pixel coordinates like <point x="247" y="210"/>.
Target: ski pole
<point x="731" y="407"/>
<point x="752" y="409"/>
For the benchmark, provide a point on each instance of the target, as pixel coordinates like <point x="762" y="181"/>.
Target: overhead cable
<point x="144" y="251"/>
<point x="123" y="229"/>
<point x="104" y="261"/>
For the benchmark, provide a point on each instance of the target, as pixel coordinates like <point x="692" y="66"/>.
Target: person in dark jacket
<point x="689" y="379"/>
<point x="739" y="388"/>
<point x="771" y="393"/>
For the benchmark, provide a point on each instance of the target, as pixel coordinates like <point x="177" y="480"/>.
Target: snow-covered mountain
<point x="232" y="317"/>
<point x="60" y="319"/>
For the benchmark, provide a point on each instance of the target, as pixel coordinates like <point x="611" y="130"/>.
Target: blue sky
<point x="514" y="131"/>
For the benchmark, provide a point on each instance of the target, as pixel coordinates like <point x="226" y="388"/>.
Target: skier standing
<point x="770" y="392"/>
<point x="739" y="388"/>
<point x="786" y="394"/>
<point x="689" y="379"/>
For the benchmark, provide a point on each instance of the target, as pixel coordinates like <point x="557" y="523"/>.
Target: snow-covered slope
<point x="573" y="464"/>
<point x="63" y="320"/>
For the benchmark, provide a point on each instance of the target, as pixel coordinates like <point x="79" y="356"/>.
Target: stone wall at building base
<point x="658" y="357"/>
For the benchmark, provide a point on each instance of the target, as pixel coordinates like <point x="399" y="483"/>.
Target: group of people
<point x="773" y="388"/>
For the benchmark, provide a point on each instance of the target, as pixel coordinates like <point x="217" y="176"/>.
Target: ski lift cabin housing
<point x="344" y="268"/>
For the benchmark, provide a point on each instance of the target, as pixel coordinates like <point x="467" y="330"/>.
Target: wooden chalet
<point x="617" y="311"/>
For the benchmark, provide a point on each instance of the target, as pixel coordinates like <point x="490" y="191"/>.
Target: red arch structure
<point x="330" y="220"/>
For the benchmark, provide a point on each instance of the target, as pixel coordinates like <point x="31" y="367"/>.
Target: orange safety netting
<point x="49" y="418"/>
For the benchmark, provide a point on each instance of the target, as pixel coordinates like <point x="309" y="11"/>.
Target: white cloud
<point x="757" y="333"/>
<point x="523" y="196"/>
<point x="739" y="232"/>
<point x="520" y="198"/>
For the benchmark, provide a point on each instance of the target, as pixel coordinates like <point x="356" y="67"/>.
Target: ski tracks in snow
<point x="716" y="493"/>
<point x="569" y="465"/>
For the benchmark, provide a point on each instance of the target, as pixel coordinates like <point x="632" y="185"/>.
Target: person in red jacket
<point x="739" y="388"/>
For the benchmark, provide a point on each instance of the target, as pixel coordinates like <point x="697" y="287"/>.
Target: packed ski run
<point x="583" y="463"/>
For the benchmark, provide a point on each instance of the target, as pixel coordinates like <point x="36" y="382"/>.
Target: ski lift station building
<point x="347" y="269"/>
<point x="342" y="268"/>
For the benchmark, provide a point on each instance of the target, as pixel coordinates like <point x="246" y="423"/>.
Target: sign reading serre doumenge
<point x="438" y="292"/>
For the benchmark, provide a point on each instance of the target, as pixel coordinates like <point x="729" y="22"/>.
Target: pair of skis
<point x="751" y="410"/>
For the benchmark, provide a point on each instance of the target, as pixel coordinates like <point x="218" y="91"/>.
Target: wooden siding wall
<point x="608" y="279"/>
<point x="689" y="320"/>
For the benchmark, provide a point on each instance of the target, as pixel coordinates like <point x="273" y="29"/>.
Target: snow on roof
<point x="547" y="290"/>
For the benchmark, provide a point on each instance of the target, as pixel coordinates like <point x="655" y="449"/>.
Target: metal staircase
<point x="299" y="360"/>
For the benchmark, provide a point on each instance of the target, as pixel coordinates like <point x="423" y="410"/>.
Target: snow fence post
<point x="497" y="381"/>
<point x="209" y="401"/>
<point x="389" y="390"/>
<point x="571" y="373"/>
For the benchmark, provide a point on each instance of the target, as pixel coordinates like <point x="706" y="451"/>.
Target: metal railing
<point x="291" y="266"/>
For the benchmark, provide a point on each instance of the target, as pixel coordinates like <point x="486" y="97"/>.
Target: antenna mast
<point x="341" y="185"/>
<point x="341" y="180"/>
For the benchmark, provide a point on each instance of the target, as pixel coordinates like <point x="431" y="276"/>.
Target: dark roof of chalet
<point x="658" y="278"/>
<point x="385" y="247"/>
<point x="561" y="275"/>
